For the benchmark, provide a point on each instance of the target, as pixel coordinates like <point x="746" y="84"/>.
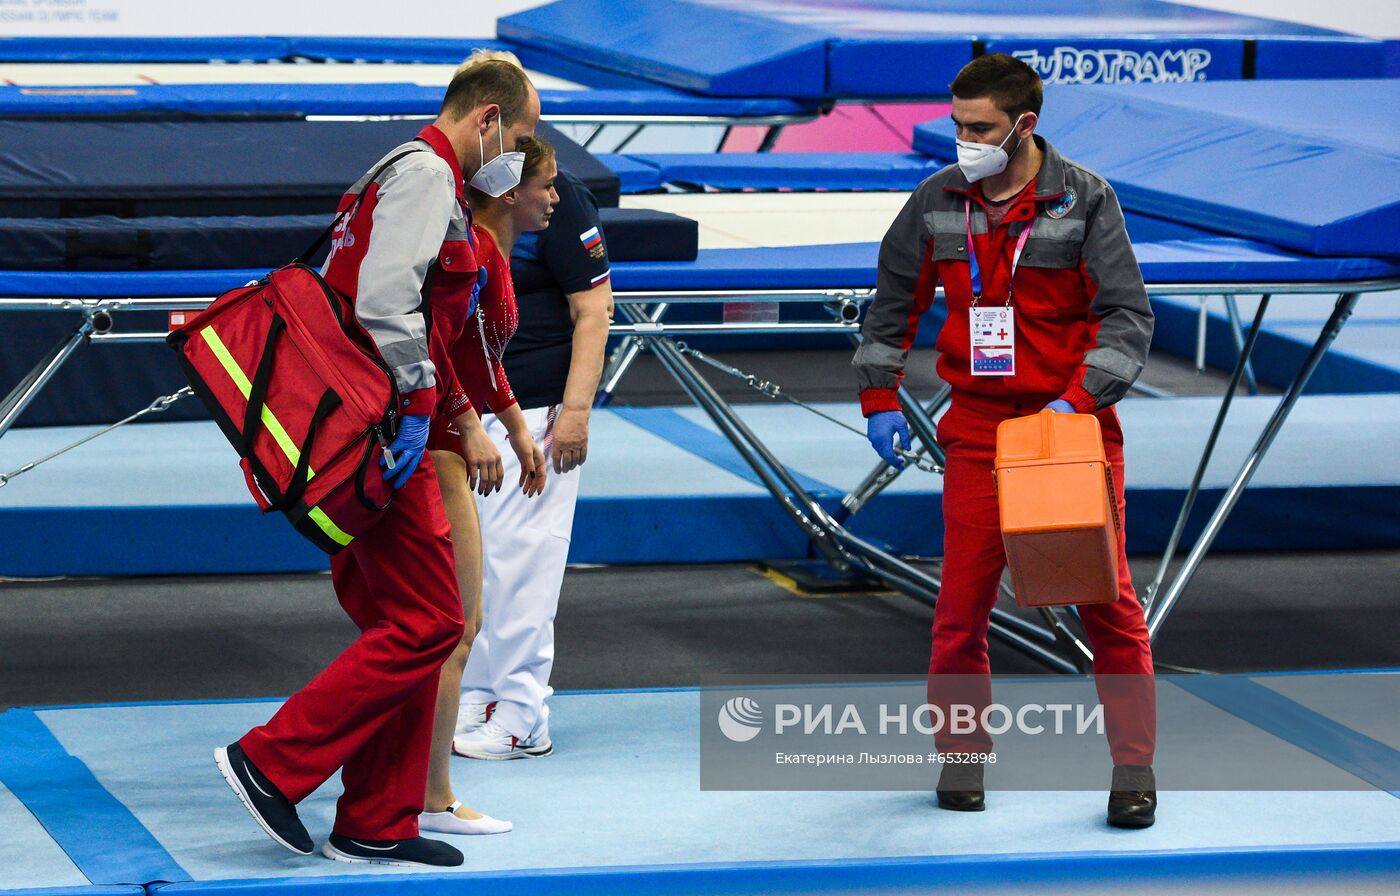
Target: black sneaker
<point x="416" y="851"/>
<point x="269" y="808"/>
<point x="1132" y="803"/>
<point x="960" y="787"/>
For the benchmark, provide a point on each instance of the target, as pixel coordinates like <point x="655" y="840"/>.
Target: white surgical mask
<point x="979" y="160"/>
<point x="502" y="174"/>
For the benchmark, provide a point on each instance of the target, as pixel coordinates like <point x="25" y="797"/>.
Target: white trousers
<point x="525" y="546"/>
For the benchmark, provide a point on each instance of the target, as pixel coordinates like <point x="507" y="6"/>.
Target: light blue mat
<point x="619" y="806"/>
<point x="1365" y="358"/>
<point x="28" y="854"/>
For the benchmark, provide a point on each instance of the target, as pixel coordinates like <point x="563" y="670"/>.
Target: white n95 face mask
<point x="979" y="160"/>
<point x="502" y="174"/>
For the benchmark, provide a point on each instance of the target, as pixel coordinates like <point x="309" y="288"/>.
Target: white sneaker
<point x="471" y="716"/>
<point x="449" y="823"/>
<point x="493" y="741"/>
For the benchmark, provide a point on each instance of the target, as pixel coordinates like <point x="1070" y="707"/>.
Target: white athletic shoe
<point x="449" y="823"/>
<point x="493" y="741"/>
<point x="471" y="716"/>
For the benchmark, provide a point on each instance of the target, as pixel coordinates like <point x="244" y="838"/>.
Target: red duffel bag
<point x="298" y="388"/>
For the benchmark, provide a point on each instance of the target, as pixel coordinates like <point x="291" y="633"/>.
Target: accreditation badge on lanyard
<point x="992" y="328"/>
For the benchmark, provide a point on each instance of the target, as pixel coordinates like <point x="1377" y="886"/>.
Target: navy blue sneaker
<point x="416" y="851"/>
<point x="269" y="808"/>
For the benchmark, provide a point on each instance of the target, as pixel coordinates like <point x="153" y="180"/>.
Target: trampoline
<point x="1331" y="247"/>
<point x="900" y="49"/>
<point x="837" y="278"/>
<point x="299" y="77"/>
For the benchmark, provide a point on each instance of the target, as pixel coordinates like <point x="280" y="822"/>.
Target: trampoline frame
<point x="1057" y="644"/>
<point x="639" y="123"/>
<point x="849" y="553"/>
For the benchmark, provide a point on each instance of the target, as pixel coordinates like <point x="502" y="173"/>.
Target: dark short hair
<point x="538" y="152"/>
<point x="488" y="81"/>
<point x="1012" y="85"/>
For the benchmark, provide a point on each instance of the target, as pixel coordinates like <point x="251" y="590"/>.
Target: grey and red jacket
<point x="405" y="251"/>
<point x="1083" y="321"/>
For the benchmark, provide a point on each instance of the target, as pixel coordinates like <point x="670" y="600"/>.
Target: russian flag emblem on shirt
<point x="592" y="241"/>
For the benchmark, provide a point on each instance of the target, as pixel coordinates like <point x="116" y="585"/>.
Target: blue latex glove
<point x="407" y="448"/>
<point x="1060" y="406"/>
<point x="881" y="428"/>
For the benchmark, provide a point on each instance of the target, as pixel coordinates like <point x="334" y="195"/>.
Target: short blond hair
<point x="480" y="55"/>
<point x="486" y="79"/>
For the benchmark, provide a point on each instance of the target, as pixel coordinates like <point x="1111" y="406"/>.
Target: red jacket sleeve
<point x="905" y="286"/>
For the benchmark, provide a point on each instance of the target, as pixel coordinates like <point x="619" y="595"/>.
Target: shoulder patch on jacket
<point x="1060" y="207"/>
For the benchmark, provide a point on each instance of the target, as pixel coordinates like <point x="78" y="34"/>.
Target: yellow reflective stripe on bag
<point x="274" y="426"/>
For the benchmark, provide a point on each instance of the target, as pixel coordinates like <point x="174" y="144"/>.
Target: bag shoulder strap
<point x="310" y="251"/>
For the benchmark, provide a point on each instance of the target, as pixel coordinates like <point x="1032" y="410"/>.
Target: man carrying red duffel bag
<point x="400" y="254"/>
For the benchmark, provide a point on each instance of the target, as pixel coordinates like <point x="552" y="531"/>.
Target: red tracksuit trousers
<point x="370" y="713"/>
<point x="973" y="560"/>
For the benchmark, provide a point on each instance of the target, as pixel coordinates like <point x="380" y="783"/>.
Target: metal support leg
<point x="1202" y="318"/>
<point x="839" y="547"/>
<point x="592" y="135"/>
<point x="770" y="139"/>
<point x="1232" y="309"/>
<point x="636" y="132"/>
<point x="1025" y="636"/>
<point x="1079" y="652"/>
<point x="804" y="511"/>
<point x="1159" y="611"/>
<point x="623" y="357"/>
<point x="921" y="418"/>
<point x="1194" y="489"/>
<point x="1150" y="391"/>
<point x="724" y="138"/>
<point x="34" y="382"/>
<point x="921" y="422"/>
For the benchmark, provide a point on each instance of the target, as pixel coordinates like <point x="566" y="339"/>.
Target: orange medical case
<point x="1058" y="518"/>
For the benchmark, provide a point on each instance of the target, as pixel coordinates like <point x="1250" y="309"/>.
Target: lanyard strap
<point x="976" y="269"/>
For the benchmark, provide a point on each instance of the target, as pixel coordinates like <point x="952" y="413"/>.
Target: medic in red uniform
<point x="1046" y="308"/>
<point x="404" y="258"/>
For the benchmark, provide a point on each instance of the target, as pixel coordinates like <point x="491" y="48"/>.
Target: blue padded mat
<point x="1361" y="704"/>
<point x="144" y="49"/>
<point x="77" y="167"/>
<point x="164" y="769"/>
<point x="853" y="265"/>
<point x="183" y="509"/>
<point x="443" y="51"/>
<point x="792" y="171"/>
<point x="633" y="176"/>
<point x="1324" y="110"/>
<point x="849" y="265"/>
<point x="740" y="54"/>
<point x="430" y="51"/>
<point x="156" y="100"/>
<point x="913" y="48"/>
<point x="61" y="792"/>
<point x="1282" y="187"/>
